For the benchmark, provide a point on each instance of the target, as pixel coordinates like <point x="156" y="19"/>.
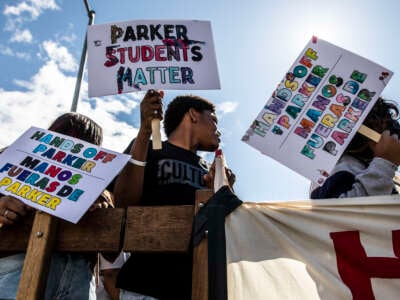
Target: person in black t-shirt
<point x="169" y="176"/>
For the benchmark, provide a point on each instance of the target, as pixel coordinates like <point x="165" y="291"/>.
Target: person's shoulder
<point x="348" y="163"/>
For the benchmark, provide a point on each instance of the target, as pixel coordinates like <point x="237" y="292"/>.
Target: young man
<point x="169" y="176"/>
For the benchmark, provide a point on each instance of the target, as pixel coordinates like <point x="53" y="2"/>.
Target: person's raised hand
<point x="388" y="147"/>
<point x="151" y="107"/>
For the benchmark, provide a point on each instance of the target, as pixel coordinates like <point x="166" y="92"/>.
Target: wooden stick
<point x="369" y="133"/>
<point x="155" y="131"/>
<point x="38" y="256"/>
<point x="200" y="255"/>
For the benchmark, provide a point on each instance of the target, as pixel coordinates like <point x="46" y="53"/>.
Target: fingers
<point x="231" y="176"/>
<point x="11" y="209"/>
<point x="388" y="147"/>
<point x="151" y="106"/>
<point x="99" y="204"/>
<point x="389" y="139"/>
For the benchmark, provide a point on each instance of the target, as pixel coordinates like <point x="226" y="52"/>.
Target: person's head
<point x="383" y="116"/>
<point x="200" y="113"/>
<point x="78" y="126"/>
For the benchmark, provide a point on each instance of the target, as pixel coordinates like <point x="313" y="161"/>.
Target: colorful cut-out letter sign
<point x="317" y="109"/>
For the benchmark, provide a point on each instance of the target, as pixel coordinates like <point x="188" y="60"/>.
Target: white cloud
<point x="69" y="38"/>
<point x="49" y="93"/>
<point x="23" y="55"/>
<point x="34" y="8"/>
<point x="227" y="107"/>
<point x="60" y="55"/>
<point x="22" y="36"/>
<point x="26" y="11"/>
<point x="4" y="50"/>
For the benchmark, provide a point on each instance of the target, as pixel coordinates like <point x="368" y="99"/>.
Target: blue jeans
<point x="70" y="277"/>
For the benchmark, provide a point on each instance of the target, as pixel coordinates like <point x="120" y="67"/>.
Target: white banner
<point x="324" y="249"/>
<point x="151" y="54"/>
<point x="56" y="173"/>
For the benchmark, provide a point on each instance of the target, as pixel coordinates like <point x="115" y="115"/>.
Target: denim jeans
<point x="126" y="295"/>
<point x="70" y="277"/>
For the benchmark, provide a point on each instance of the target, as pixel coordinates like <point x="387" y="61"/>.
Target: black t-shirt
<point x="172" y="175"/>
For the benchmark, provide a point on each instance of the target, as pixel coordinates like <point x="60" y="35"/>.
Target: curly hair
<point x="383" y="116"/>
<point x="79" y="126"/>
<point x="178" y="107"/>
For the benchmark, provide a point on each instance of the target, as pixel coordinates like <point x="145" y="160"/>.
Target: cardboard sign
<point x="151" y="54"/>
<point x="317" y="108"/>
<point x="56" y="173"/>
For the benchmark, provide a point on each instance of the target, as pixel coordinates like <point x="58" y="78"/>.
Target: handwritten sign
<point x="317" y="108"/>
<point x="152" y="54"/>
<point x="56" y="173"/>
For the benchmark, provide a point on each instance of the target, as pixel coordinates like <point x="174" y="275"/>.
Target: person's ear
<point x="194" y="115"/>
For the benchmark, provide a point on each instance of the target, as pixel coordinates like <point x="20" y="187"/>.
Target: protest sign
<point x="56" y="173"/>
<point x="317" y="108"/>
<point x="151" y="54"/>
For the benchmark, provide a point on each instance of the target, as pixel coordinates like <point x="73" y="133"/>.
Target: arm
<point x="129" y="183"/>
<point x="377" y="179"/>
<point x="352" y="180"/>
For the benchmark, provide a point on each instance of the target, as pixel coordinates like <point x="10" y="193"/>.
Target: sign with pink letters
<point x="317" y="108"/>
<point x="151" y="54"/>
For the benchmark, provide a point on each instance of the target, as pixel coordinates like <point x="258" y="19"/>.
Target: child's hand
<point x="388" y="148"/>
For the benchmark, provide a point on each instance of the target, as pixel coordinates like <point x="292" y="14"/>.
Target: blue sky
<point x="255" y="42"/>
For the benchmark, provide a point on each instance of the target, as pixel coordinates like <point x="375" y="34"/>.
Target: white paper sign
<point x="56" y="173"/>
<point x="151" y="54"/>
<point x="317" y="109"/>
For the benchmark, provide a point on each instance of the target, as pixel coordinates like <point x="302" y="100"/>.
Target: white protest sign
<point x="151" y="54"/>
<point x="56" y="173"/>
<point x="317" y="108"/>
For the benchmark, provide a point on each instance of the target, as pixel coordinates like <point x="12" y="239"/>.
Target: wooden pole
<point x="369" y="133"/>
<point x="200" y="255"/>
<point x="38" y="257"/>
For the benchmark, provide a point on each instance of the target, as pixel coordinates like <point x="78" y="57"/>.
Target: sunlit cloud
<point x="60" y="55"/>
<point x="22" y="36"/>
<point x="49" y="92"/>
<point x="25" y="11"/>
<point x="227" y="107"/>
<point x="33" y="8"/>
<point x="4" y="50"/>
<point x="23" y="55"/>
